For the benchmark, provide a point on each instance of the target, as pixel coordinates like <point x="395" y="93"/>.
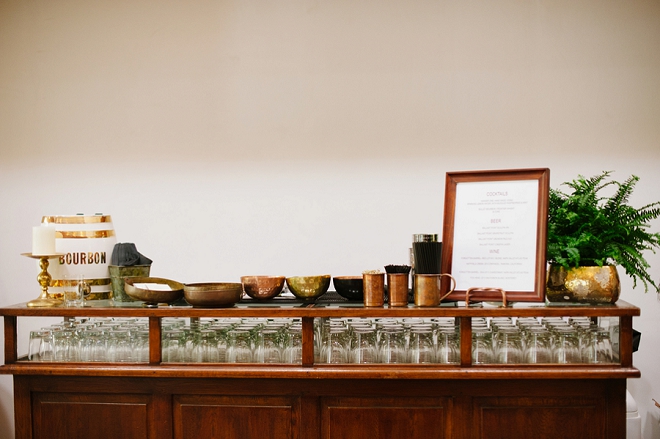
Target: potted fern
<point x="589" y="234"/>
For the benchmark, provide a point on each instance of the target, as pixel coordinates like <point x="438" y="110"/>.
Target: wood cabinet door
<point x="540" y="417"/>
<point x="385" y="418"/>
<point x="236" y="417"/>
<point x="92" y="416"/>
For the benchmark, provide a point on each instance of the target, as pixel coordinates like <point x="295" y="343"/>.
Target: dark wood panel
<point x="11" y="354"/>
<point x="385" y="418"/>
<point x="199" y="408"/>
<point x="89" y="416"/>
<point x="540" y="418"/>
<point x="235" y="417"/>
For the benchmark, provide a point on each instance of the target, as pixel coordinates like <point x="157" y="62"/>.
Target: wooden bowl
<point x="213" y="294"/>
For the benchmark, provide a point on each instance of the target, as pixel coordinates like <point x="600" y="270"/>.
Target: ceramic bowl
<point x="349" y="287"/>
<point x="153" y="297"/>
<point x="308" y="287"/>
<point x="262" y="287"/>
<point x="213" y="294"/>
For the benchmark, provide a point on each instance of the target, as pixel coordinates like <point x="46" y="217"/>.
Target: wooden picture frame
<point x="495" y="234"/>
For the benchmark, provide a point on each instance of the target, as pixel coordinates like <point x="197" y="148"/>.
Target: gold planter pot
<point x="583" y="284"/>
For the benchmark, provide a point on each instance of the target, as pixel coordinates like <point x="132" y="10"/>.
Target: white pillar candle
<point x="43" y="240"/>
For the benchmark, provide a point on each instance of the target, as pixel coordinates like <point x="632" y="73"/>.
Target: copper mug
<point x="427" y="288"/>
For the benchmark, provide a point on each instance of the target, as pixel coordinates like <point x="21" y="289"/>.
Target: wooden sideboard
<point x="306" y="401"/>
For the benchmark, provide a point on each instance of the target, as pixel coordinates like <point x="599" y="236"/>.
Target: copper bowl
<point x="213" y="294"/>
<point x="308" y="287"/>
<point x="262" y="287"/>
<point x="152" y="298"/>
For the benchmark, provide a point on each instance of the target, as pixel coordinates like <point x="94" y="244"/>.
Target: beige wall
<point x="298" y="137"/>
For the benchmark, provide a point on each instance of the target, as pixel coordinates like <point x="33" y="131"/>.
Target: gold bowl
<point x="308" y="287"/>
<point x="152" y="298"/>
<point x="262" y="287"/>
<point x="213" y="294"/>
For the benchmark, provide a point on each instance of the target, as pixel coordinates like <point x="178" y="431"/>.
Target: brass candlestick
<point x="44" y="279"/>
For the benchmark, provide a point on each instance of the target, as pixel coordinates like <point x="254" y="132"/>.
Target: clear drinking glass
<point x="363" y="348"/>
<point x="335" y="350"/>
<point x="140" y="345"/>
<point x="172" y="345"/>
<point x="482" y="345"/>
<point x="448" y="351"/>
<point x="538" y="345"/>
<point x="392" y="344"/>
<point x="598" y="348"/>
<point x="119" y="346"/>
<point x="221" y="330"/>
<point x="509" y="348"/>
<point x="421" y="346"/>
<point x="324" y="330"/>
<point x="269" y="349"/>
<point x="37" y="340"/>
<point x="293" y="351"/>
<point x="208" y="345"/>
<point x="566" y="346"/>
<point x="239" y="346"/>
<point x="74" y="288"/>
<point x="92" y="343"/>
<point x="65" y="345"/>
<point x="46" y="349"/>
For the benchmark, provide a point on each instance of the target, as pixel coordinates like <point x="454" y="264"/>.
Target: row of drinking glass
<point x="362" y="340"/>
<point x="99" y="339"/>
<point x="201" y="340"/>
<point x="548" y="340"/>
<point x="494" y="341"/>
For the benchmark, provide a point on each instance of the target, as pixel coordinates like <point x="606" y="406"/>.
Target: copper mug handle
<point x="467" y="294"/>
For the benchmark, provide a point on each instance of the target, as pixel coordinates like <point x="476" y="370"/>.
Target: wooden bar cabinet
<point x="159" y="400"/>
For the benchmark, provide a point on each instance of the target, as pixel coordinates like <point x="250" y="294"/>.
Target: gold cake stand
<point x="44" y="278"/>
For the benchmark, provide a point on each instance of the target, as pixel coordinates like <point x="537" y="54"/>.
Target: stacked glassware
<point x="497" y="340"/>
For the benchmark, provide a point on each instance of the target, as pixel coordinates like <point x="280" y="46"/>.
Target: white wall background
<point x="228" y="138"/>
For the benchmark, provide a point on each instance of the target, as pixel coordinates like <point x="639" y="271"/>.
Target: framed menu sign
<point x="494" y="234"/>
